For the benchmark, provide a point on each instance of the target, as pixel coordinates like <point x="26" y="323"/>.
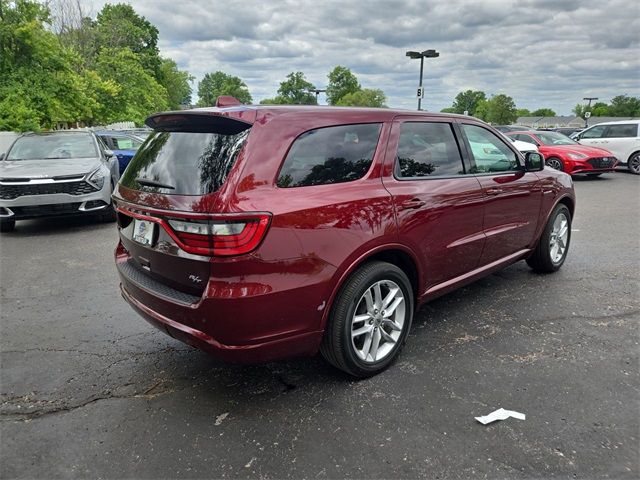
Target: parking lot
<point x="89" y="389"/>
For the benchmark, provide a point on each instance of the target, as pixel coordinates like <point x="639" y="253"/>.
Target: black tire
<point x="555" y="163"/>
<point x="633" y="164"/>
<point x="108" y="214"/>
<point x="7" y="225"/>
<point x="337" y="347"/>
<point x="541" y="259"/>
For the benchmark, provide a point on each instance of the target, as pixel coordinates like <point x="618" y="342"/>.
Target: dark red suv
<point x="262" y="232"/>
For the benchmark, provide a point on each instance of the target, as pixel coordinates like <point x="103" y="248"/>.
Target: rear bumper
<point x="295" y="345"/>
<point x="236" y="318"/>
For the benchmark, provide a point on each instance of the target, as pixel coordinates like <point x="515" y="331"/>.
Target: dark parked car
<point x="262" y="232"/>
<point x="123" y="145"/>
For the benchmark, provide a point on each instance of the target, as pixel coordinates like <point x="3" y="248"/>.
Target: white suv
<point x="620" y="138"/>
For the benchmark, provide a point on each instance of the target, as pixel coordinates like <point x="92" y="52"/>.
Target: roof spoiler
<point x="196" y="122"/>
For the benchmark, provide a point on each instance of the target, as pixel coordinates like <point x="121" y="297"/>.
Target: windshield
<point x="553" y="138"/>
<point x="66" y="145"/>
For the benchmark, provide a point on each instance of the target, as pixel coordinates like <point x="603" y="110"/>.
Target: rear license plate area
<point x="144" y="232"/>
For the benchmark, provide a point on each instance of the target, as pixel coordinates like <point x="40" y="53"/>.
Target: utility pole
<point x="422" y="56"/>
<point x="586" y="118"/>
<point x="316" y="91"/>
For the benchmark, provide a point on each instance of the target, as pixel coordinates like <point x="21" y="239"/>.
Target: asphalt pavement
<point x="90" y="390"/>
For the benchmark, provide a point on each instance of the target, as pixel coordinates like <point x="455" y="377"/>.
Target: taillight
<point x="236" y="236"/>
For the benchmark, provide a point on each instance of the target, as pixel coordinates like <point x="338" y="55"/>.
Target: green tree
<point x="176" y="83"/>
<point x="341" y="82"/>
<point x="482" y="110"/>
<point x="219" y="83"/>
<point x="600" y="109"/>
<point x="579" y="110"/>
<point x="137" y="95"/>
<point x="449" y="110"/>
<point x="468" y="101"/>
<point x="523" y="112"/>
<point x="367" y="97"/>
<point x="39" y="83"/>
<point x="543" y="112"/>
<point x="624" y="106"/>
<point x="119" y="26"/>
<point x="501" y="109"/>
<point x="294" y="91"/>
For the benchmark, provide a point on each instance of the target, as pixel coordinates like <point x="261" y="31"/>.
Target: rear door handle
<point x="494" y="191"/>
<point x="412" y="204"/>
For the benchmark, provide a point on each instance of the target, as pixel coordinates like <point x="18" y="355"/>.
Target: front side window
<point x="127" y="143"/>
<point x="490" y="154"/>
<point x="622" y="131"/>
<point x="330" y="155"/>
<point x="595" y="132"/>
<point x="53" y="146"/>
<point x="427" y="150"/>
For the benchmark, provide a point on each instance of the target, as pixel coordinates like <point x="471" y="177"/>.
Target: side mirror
<point x="533" y="162"/>
<point x="109" y="153"/>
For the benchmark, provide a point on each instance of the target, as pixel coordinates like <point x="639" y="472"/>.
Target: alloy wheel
<point x="554" y="163"/>
<point x="377" y="322"/>
<point x="558" y="238"/>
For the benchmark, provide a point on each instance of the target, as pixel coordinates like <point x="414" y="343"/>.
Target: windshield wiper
<point x="152" y="183"/>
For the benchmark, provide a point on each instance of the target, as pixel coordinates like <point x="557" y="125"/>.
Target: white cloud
<point x="544" y="53"/>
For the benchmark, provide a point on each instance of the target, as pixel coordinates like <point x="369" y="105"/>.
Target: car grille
<point x="10" y="192"/>
<point x="45" y="210"/>
<point x="601" y="162"/>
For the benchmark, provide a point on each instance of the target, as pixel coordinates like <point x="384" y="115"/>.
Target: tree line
<point x="59" y="66"/>
<point x="343" y="89"/>
<point x="501" y="109"/>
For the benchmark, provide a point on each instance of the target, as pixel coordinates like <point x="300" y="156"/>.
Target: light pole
<point x="586" y="118"/>
<point x="316" y="91"/>
<point x="422" y="56"/>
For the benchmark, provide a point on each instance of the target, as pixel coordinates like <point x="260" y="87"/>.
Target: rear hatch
<point x="168" y="203"/>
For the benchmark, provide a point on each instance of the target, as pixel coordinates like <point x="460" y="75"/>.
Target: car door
<point x="593" y="136"/>
<point x="621" y="140"/>
<point x="513" y="196"/>
<point x="438" y="204"/>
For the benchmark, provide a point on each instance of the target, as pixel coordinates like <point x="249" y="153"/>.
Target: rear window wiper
<point x="152" y="183"/>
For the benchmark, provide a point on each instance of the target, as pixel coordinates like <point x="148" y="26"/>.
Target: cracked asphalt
<point x="90" y="390"/>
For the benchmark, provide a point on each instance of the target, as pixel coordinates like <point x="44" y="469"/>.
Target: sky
<point x="543" y="53"/>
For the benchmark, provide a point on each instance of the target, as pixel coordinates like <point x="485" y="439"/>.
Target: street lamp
<point x="316" y="91"/>
<point x="586" y="117"/>
<point x="422" y="56"/>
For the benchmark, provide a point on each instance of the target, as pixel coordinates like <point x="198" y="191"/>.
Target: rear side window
<point x="183" y="163"/>
<point x="622" y="131"/>
<point x="330" y="155"/>
<point x="427" y="150"/>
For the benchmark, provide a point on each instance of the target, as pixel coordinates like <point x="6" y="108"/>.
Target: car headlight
<point x="576" y="156"/>
<point x="97" y="179"/>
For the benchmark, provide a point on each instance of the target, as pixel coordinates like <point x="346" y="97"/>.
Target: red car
<point x="262" y="232"/>
<point x="566" y="155"/>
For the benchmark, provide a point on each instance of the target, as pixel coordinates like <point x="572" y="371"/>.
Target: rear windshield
<point x="64" y="145"/>
<point x="183" y="163"/>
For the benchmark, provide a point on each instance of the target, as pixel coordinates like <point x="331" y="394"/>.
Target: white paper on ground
<point x="500" y="414"/>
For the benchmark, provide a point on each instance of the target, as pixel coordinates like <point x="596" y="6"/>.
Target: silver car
<point x="58" y="173"/>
